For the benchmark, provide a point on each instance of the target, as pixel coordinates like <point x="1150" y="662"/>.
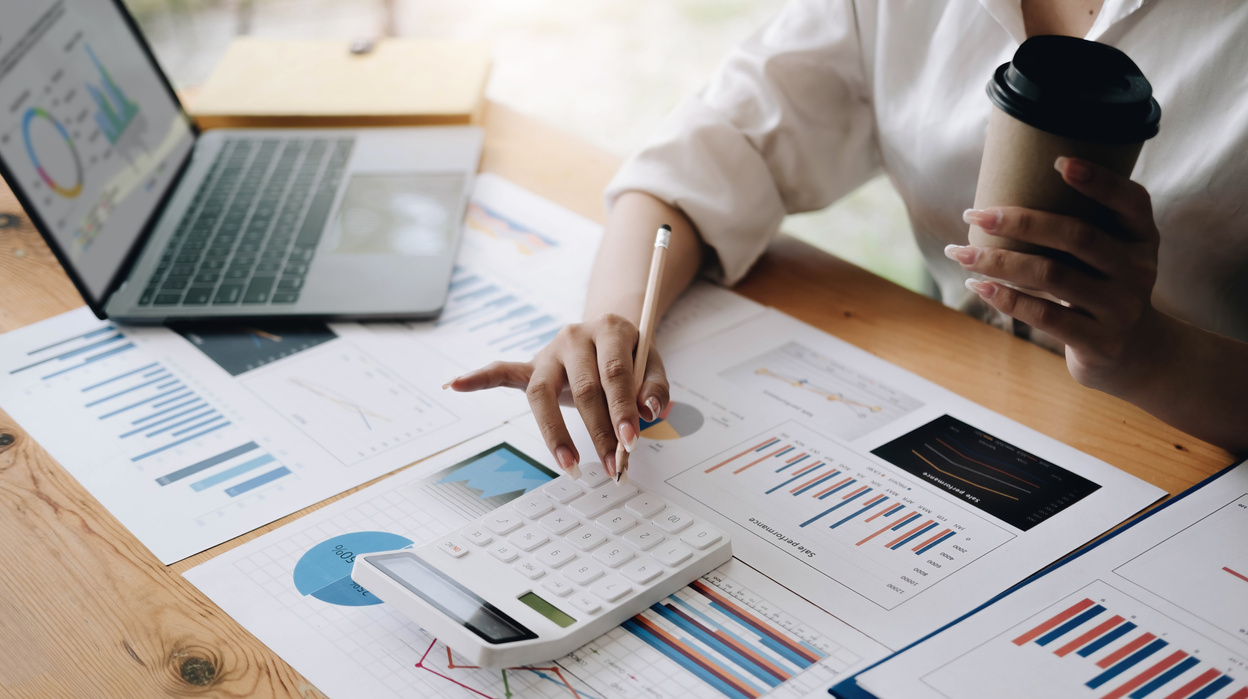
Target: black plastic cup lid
<point x="1077" y="89"/>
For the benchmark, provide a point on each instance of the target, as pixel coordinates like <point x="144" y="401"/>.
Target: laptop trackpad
<point x="412" y="214"/>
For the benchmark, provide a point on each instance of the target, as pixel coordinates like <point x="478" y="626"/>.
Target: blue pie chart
<point x="324" y="572"/>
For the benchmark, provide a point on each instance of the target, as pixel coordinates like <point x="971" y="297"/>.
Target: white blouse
<point x="832" y="92"/>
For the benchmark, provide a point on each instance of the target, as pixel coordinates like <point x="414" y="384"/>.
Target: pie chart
<point x="676" y="421"/>
<point x="324" y="572"/>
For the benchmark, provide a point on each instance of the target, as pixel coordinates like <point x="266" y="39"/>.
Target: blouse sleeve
<point x="784" y="126"/>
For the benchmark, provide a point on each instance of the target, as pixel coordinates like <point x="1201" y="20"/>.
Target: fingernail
<point x="448" y="383"/>
<point x="987" y="219"/>
<point x="964" y="254"/>
<point x="567" y="462"/>
<point x="628" y="436"/>
<point x="608" y="463"/>
<point x="1074" y="170"/>
<point x="984" y="289"/>
<point x="655" y="408"/>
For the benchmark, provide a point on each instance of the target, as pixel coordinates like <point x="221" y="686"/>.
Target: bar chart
<point x="484" y="311"/>
<point x="856" y="522"/>
<point x="723" y="643"/>
<point x="163" y="426"/>
<point x="1100" y="642"/>
<point x="849" y="402"/>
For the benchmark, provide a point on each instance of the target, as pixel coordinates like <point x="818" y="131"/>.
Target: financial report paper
<point x="883" y="498"/>
<point x="1159" y="611"/>
<point x="292" y="589"/>
<point x="191" y="437"/>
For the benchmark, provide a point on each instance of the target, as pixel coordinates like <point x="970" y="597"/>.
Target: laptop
<point x="154" y="221"/>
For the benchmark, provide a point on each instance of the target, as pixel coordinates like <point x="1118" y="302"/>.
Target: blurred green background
<point x="605" y="70"/>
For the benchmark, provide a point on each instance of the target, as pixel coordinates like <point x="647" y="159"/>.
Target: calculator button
<point x="593" y="475"/>
<point x="558" y="522"/>
<point x="477" y="535"/>
<point x="528" y="538"/>
<point x="530" y="570"/>
<point x="533" y="505"/>
<point x="641" y="571"/>
<point x="611" y="589"/>
<point x="502" y="521"/>
<point x="555" y="555"/>
<point x="503" y="552"/>
<point x="646" y="505"/>
<point x="583" y="572"/>
<point x="673" y="520"/>
<point x="454" y="549"/>
<point x="614" y="556"/>
<point x="700" y="536"/>
<point x="585" y="538"/>
<point x="616" y="522"/>
<point x="562" y="490"/>
<point x="558" y="586"/>
<point x="601" y="500"/>
<point x="672" y="553"/>
<point x="644" y="537"/>
<point x="585" y="603"/>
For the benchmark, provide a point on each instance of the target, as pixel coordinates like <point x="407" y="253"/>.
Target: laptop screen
<point x="88" y="131"/>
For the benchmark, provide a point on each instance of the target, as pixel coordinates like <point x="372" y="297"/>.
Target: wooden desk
<point x="86" y="611"/>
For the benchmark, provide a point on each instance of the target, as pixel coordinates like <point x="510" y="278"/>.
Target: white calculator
<point x="542" y="576"/>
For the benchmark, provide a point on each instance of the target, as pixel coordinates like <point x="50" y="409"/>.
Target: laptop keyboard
<point x="252" y="229"/>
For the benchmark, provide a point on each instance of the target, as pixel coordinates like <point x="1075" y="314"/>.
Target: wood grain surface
<point x="87" y="611"/>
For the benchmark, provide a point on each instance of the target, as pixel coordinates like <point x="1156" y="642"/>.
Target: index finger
<point x="615" y="345"/>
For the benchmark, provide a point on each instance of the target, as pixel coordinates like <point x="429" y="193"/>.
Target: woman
<point x="833" y="91"/>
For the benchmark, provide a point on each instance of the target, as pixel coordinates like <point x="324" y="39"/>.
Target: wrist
<point x="1160" y="345"/>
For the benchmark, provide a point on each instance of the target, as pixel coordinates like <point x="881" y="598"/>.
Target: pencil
<point x="661" y="240"/>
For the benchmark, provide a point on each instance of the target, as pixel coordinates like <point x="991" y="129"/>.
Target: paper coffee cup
<point x="1060" y="96"/>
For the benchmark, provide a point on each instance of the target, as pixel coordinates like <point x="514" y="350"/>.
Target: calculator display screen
<point x="451" y="598"/>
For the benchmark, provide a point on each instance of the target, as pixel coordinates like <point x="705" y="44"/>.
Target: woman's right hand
<point x="589" y="365"/>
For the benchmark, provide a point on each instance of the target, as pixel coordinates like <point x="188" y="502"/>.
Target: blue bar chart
<point x="858" y="522"/>
<point x="162" y="425"/>
<point x="723" y="643"/>
<point x="1105" y="644"/>
<point x="496" y="316"/>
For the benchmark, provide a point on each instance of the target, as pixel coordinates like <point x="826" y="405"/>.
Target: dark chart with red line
<point x="1202" y="569"/>
<point x="857" y="523"/>
<point x="1019" y="488"/>
<point x="1099" y="642"/>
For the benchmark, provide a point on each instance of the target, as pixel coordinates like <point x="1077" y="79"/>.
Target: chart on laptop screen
<point x="90" y="133"/>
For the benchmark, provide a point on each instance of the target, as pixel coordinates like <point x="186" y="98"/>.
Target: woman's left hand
<point x="1109" y="326"/>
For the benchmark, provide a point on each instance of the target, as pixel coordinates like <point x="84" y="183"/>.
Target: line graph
<point x="1009" y="483"/>
<point x="849" y="403"/>
<point x="430" y="662"/>
<point x="826" y="394"/>
<point x="347" y="402"/>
